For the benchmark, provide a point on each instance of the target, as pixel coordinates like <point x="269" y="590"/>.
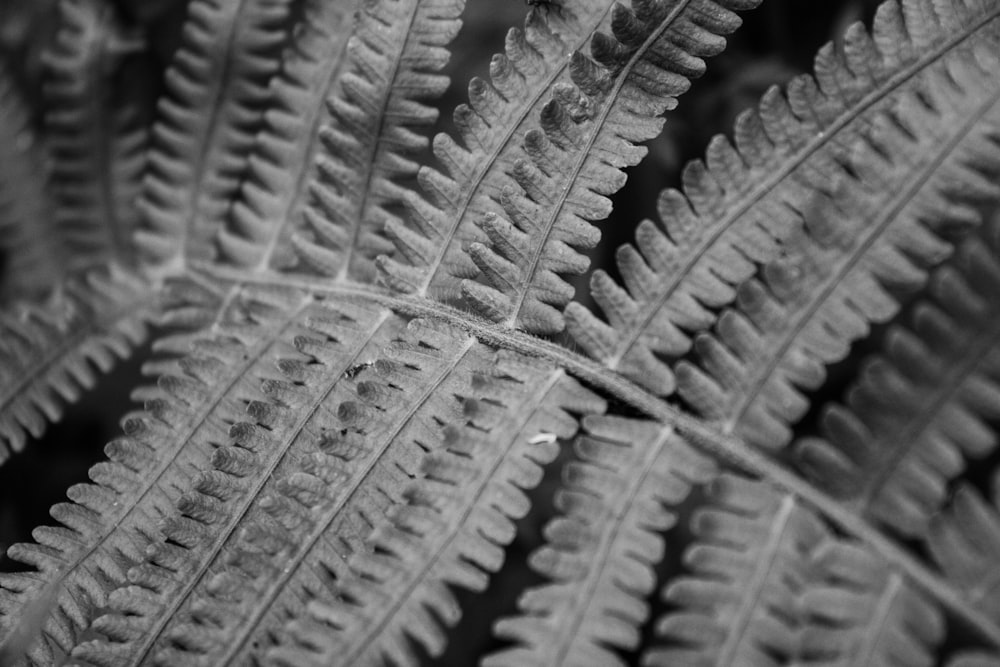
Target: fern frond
<point x="217" y="90"/>
<point x="924" y="404"/>
<point x="586" y="136"/>
<point x="309" y="497"/>
<point x="283" y="162"/>
<point x="751" y="535"/>
<point x="965" y="541"/>
<point x="599" y="556"/>
<point x="34" y="255"/>
<point x="53" y="351"/>
<point x="95" y="131"/>
<point x="704" y="436"/>
<point x="876" y="239"/>
<point x="452" y="531"/>
<point x="857" y="611"/>
<point x="17" y="640"/>
<point x="108" y="525"/>
<point x="326" y="467"/>
<point x="478" y="168"/>
<point x="211" y="554"/>
<point x="770" y="584"/>
<point x="742" y="202"/>
<point x="334" y="212"/>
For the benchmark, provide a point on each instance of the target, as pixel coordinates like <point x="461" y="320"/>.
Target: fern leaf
<point x="965" y="542"/>
<point x="922" y="405"/>
<point x="335" y="211"/>
<point x="702" y="434"/>
<point x="15" y="644"/>
<point x="96" y="138"/>
<point x="298" y="506"/>
<point x="600" y="555"/>
<point x="587" y="135"/>
<point x="743" y="201"/>
<point x="283" y="162"/>
<point x="751" y="535"/>
<point x="451" y="532"/>
<point x="325" y="467"/>
<point x="206" y="124"/>
<point x="108" y="525"/>
<point x="850" y="264"/>
<point x="210" y="553"/>
<point x="477" y="169"/>
<point x="800" y="594"/>
<point x="856" y="611"/>
<point x="51" y="352"/>
<point x="34" y="254"/>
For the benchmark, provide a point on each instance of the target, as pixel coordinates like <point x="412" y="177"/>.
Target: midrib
<point x="703" y="435"/>
<point x="608" y="541"/>
<point x="877" y="628"/>
<point x="759" y="579"/>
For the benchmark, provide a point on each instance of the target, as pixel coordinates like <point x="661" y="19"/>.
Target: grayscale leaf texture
<point x="372" y="376"/>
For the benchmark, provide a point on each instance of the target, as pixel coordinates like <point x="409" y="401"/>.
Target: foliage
<point x="769" y="439"/>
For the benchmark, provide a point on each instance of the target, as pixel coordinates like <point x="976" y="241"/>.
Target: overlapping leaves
<point x="348" y="421"/>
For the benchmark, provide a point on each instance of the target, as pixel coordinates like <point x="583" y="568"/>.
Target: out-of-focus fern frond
<point x="965" y="541"/>
<point x="771" y="585"/>
<point x="599" y="556"/>
<point x="217" y="91"/>
<point x="857" y="611"/>
<point x="96" y="128"/>
<point x="52" y="351"/>
<point x="924" y="404"/>
<point x="741" y="204"/>
<point x="284" y="159"/>
<point x="32" y="254"/>
<point x="874" y="240"/>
